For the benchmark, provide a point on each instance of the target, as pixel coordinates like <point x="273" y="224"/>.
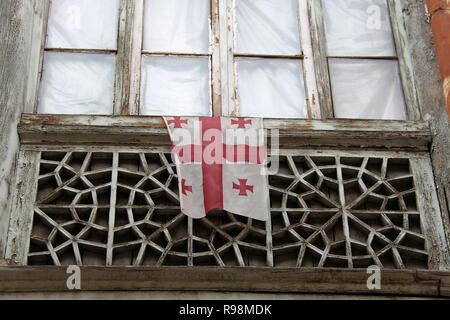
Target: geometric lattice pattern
<point x="98" y="208"/>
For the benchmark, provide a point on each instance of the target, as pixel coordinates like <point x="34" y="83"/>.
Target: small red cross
<point x="242" y="187"/>
<point x="241" y="122"/>
<point x="185" y="188"/>
<point x="177" y="121"/>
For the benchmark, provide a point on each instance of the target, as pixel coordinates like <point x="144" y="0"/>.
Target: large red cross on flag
<point x="220" y="164"/>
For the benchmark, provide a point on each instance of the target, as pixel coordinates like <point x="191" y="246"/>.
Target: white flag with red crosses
<point x="220" y="164"/>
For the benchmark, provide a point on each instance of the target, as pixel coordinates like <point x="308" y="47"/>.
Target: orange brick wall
<point x="440" y="24"/>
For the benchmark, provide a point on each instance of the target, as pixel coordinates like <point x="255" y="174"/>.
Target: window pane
<point x="83" y="24"/>
<point x="267" y="27"/>
<point x="367" y="89"/>
<point x="74" y="83"/>
<point x="177" y="25"/>
<point x="271" y="88"/>
<point x="358" y="28"/>
<point x="175" y="86"/>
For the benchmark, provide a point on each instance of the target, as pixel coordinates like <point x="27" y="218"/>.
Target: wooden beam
<point x="216" y="80"/>
<point x="308" y="61"/>
<point x="136" y="50"/>
<point x="308" y="280"/>
<point x="431" y="220"/>
<point x="112" y="209"/>
<point x="320" y="58"/>
<point x="22" y="211"/>
<point x="227" y="67"/>
<point x="151" y="131"/>
<point x="40" y="21"/>
<point x="124" y="58"/>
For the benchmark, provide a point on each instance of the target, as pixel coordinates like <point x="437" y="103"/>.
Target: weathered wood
<point x="428" y="84"/>
<point x="15" y="42"/>
<point x="320" y="58"/>
<point x="136" y="50"/>
<point x="287" y="152"/>
<point x="308" y="61"/>
<point x="23" y="207"/>
<point x="404" y="59"/>
<point x="124" y="58"/>
<point x="60" y="129"/>
<point x="226" y="43"/>
<point x="45" y="279"/>
<point x="345" y="225"/>
<point x="40" y="20"/>
<point x="433" y="226"/>
<point x="269" y="240"/>
<point x="216" y="86"/>
<point x="30" y="120"/>
<point x="112" y="209"/>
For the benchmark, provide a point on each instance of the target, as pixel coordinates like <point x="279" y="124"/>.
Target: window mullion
<point x="137" y="30"/>
<point x="308" y="61"/>
<point x="215" y="59"/>
<point x="404" y="60"/>
<point x="123" y="58"/>
<point x="227" y="67"/>
<point x="320" y="58"/>
<point x="40" y="22"/>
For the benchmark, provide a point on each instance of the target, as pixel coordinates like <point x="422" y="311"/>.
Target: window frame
<point x="139" y="53"/>
<point x="230" y="103"/>
<point x="395" y="9"/>
<point x="223" y="71"/>
<point x="414" y="32"/>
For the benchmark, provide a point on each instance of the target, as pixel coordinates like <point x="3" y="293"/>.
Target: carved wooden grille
<point x="122" y="208"/>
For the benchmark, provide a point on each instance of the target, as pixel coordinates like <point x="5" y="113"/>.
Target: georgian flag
<point x="220" y="164"/>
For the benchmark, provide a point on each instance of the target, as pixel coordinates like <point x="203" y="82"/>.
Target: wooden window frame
<point x="223" y="71"/>
<point x="230" y="104"/>
<point x="403" y="57"/>
<point x="138" y="53"/>
<point x="23" y="56"/>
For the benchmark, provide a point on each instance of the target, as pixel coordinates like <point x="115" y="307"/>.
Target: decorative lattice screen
<point x="99" y="208"/>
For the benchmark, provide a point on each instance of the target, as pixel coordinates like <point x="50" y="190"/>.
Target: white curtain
<point x="83" y="24"/>
<point x="75" y="83"/>
<point x="271" y="88"/>
<point x="358" y="28"/>
<point x="267" y="27"/>
<point x="367" y="89"/>
<point x="175" y="86"/>
<point x="177" y="26"/>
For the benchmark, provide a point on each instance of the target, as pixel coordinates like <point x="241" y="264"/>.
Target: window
<point x="268" y="59"/>
<point x="221" y="57"/>
<point x="176" y="58"/>
<point x="362" y="58"/>
<point x="81" y="44"/>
